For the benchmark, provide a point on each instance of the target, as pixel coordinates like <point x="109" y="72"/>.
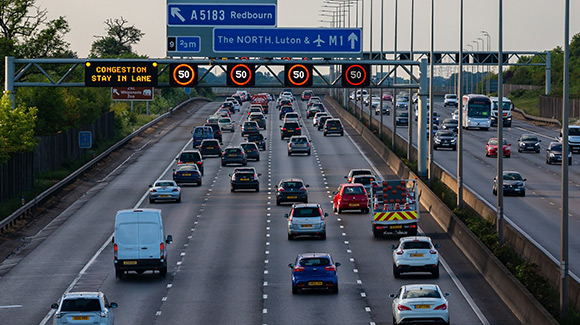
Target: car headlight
<point x="453" y="140"/>
<point x="552" y="155"/>
<point x="436" y="140"/>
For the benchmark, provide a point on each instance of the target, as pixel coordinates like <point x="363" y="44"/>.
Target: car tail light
<point x="303" y="188"/>
<point x="116" y="251"/>
<point x="297" y="129"/>
<point x="283" y="129"/>
<point x="174" y="190"/>
<point x="432" y="252"/>
<point x="299" y="268"/>
<point x="179" y="162"/>
<point x="161" y="248"/>
<point x="199" y="162"/>
<point x="403" y="307"/>
<point x="330" y="268"/>
<point x="441" y="307"/>
<point x="400" y="252"/>
<point x="307" y="144"/>
<point x="153" y="190"/>
<point x="281" y="189"/>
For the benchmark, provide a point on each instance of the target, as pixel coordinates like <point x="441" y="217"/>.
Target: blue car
<point x="187" y="174"/>
<point x="314" y="271"/>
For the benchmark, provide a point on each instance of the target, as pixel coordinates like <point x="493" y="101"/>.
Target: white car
<point x="317" y="117"/>
<point x="450" y="100"/>
<point x="292" y="116"/>
<point x="84" y="308"/>
<point x="236" y="103"/>
<point x="417" y="302"/>
<point x="164" y="190"/>
<point x="375" y="100"/>
<point x="455" y="115"/>
<point x="415" y="254"/>
<point x="227" y="124"/>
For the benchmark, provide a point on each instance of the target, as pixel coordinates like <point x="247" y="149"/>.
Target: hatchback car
<point x="513" y="183"/>
<point x="210" y="147"/>
<point x="259" y="140"/>
<point x="445" y="139"/>
<point x="455" y="114"/>
<point x="291" y="190"/>
<point x="285" y="109"/>
<point x="191" y="157"/>
<point x="356" y="172"/>
<point x="233" y="155"/>
<point x="230" y="106"/>
<point x="187" y="174"/>
<point x="291" y="116"/>
<point x="554" y="153"/>
<point x="491" y="148"/>
<point x="226" y="123"/>
<point x="322" y="120"/>
<point x="250" y="127"/>
<point x="420" y="303"/>
<point x="251" y="150"/>
<point x="333" y="126"/>
<point x="84" y="308"/>
<point x="402" y="119"/>
<point x="245" y="178"/>
<point x="314" y="271"/>
<point x="298" y="144"/>
<point x="306" y="95"/>
<point x="450" y="100"/>
<point x="317" y="117"/>
<point x="449" y="124"/>
<point x="365" y="180"/>
<point x="289" y="129"/>
<point x="350" y="197"/>
<point x="306" y="219"/>
<point x="415" y="254"/>
<point x="258" y="118"/>
<point x="529" y="142"/>
<point x="164" y="190"/>
<point x="313" y="110"/>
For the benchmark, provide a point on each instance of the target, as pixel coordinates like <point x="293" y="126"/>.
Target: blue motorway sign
<point x="210" y="15"/>
<point x="288" y="41"/>
<point x="191" y="44"/>
<point x="85" y="139"/>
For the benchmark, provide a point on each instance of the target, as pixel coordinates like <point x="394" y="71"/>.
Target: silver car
<point x="420" y="302"/>
<point x="317" y="117"/>
<point x="298" y="144"/>
<point x="306" y="219"/>
<point x="84" y="308"/>
<point x="164" y="190"/>
<point x="227" y="124"/>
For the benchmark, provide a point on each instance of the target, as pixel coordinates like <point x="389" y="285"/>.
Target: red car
<point x="350" y="197"/>
<point x="388" y="97"/>
<point x="306" y="95"/>
<point x="491" y="148"/>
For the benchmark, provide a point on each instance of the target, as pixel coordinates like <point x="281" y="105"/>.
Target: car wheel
<point x="436" y="272"/>
<point x="454" y="148"/>
<point x="294" y="290"/>
<point x="494" y="191"/>
<point x="333" y="208"/>
<point x="324" y="133"/>
<point x="290" y="237"/>
<point x="118" y="274"/>
<point x="569" y="161"/>
<point x="396" y="272"/>
<point x="548" y="161"/>
<point x="289" y="153"/>
<point x="258" y="188"/>
<point x="163" y="271"/>
<point x="338" y="210"/>
<point x="199" y="183"/>
<point x="394" y="321"/>
<point x="278" y="202"/>
<point x="508" y="156"/>
<point x="232" y="190"/>
<point x="245" y="163"/>
<point x="365" y="211"/>
<point x="335" y="289"/>
<point x="341" y="134"/>
<point x="151" y="201"/>
<point x="223" y="163"/>
<point x="413" y="232"/>
<point x="308" y="153"/>
<point x="523" y="193"/>
<point x="519" y="150"/>
<point x="323" y="236"/>
<point x="376" y="234"/>
<point x="178" y="200"/>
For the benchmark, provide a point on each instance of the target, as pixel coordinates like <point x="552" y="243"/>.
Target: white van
<point x="139" y="242"/>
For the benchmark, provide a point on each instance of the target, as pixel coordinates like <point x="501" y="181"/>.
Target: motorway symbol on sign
<point x="288" y="40"/>
<point x="183" y="14"/>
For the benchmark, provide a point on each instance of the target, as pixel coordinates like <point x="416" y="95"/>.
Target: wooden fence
<point x="552" y="107"/>
<point x="17" y="175"/>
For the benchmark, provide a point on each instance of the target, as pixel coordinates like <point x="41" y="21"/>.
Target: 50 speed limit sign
<point x="183" y="75"/>
<point x="240" y="75"/>
<point x="298" y="75"/>
<point x="356" y="75"/>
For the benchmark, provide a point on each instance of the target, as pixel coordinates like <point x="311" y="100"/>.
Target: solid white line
<point x="10" y="306"/>
<point x="106" y="243"/>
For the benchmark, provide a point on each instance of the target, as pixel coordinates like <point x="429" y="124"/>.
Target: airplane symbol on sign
<point x="318" y="41"/>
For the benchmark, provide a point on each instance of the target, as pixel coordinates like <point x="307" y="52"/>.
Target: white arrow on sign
<point x="352" y="38"/>
<point x="175" y="12"/>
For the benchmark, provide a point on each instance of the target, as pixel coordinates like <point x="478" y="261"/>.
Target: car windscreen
<point x="314" y="261"/>
<point x="189" y="157"/>
<point x="233" y="151"/>
<point x="421" y="293"/>
<point x="529" y="138"/>
<point x="512" y="177"/>
<point x="225" y="120"/>
<point x="306" y="212"/>
<point x="556" y="147"/>
<point x="249" y="146"/>
<point x="353" y="190"/>
<point x="81" y="304"/>
<point x="164" y="184"/>
<point x="365" y="180"/>
<point x="330" y="122"/>
<point x="450" y="121"/>
<point x="291" y="125"/>
<point x="186" y="168"/>
<point x="299" y="140"/>
<point x="292" y="185"/>
<point x="445" y="133"/>
<point x="574" y="131"/>
<point x="416" y="245"/>
<point x="255" y="137"/>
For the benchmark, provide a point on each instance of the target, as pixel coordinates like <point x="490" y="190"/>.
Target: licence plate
<point x="396" y="227"/>
<point x="129" y="262"/>
<point x="232" y="155"/>
<point x="315" y="283"/>
<point x="416" y="255"/>
<point x="444" y="144"/>
<point x="422" y="306"/>
<point x="353" y="205"/>
<point x="293" y="197"/>
<point x="306" y="226"/>
<point x="244" y="179"/>
<point x="81" y="318"/>
<point x="333" y="128"/>
<point x="290" y="131"/>
<point x="186" y="174"/>
<point x="163" y="195"/>
<point x="209" y="148"/>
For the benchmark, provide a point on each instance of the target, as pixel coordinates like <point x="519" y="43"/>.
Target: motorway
<point x="538" y="214"/>
<point x="228" y="262"/>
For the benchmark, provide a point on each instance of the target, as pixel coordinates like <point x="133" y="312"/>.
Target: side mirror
<point x="230" y="175"/>
<point x="259" y="174"/>
<point x="113" y="305"/>
<point x="392" y="295"/>
<point x="393" y="246"/>
<point x="447" y="294"/>
<point x="326" y="214"/>
<point x="150" y="186"/>
<point x="176" y="158"/>
<point x="334" y="192"/>
<point x="173" y="169"/>
<point x="113" y="240"/>
<point x="286" y="216"/>
<point x="525" y="179"/>
<point x="345" y="177"/>
<point x="265" y="138"/>
<point x="54" y="306"/>
<point x="291" y="265"/>
<point x="169" y="239"/>
<point x="539" y="140"/>
<point x="437" y="245"/>
<point x="337" y="264"/>
<point x="307" y="185"/>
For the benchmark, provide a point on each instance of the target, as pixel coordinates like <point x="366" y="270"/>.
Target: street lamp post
<point x="564" y="217"/>
<point x="470" y="84"/>
<point x="394" y="140"/>
<point x="431" y="59"/>
<point x="410" y="105"/>
<point x="488" y="81"/>
<point x="460" y="117"/>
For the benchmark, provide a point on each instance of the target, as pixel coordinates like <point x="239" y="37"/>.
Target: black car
<point x="291" y="190"/>
<point x="450" y="124"/>
<point x="250" y="127"/>
<point x="313" y="110"/>
<point x="258" y="139"/>
<point x="191" y="157"/>
<point x="210" y="147"/>
<point x="445" y="139"/>
<point x="289" y="129"/>
<point x="402" y="119"/>
<point x="513" y="183"/>
<point x="284" y="110"/>
<point x="554" y="153"/>
<point x="217" y="131"/>
<point x="187" y="173"/>
<point x="234" y="156"/>
<point x="245" y="178"/>
<point x="230" y="106"/>
<point x="333" y="126"/>
<point x="321" y="122"/>
<point x="251" y="150"/>
<point x="529" y="142"/>
<point x="258" y="118"/>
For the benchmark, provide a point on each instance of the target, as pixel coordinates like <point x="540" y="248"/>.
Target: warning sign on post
<point x="120" y="73"/>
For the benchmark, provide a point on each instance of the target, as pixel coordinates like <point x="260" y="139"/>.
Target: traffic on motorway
<point x="257" y="223"/>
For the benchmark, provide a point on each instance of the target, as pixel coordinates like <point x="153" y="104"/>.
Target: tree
<point x="118" y="41"/>
<point x="16" y="128"/>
